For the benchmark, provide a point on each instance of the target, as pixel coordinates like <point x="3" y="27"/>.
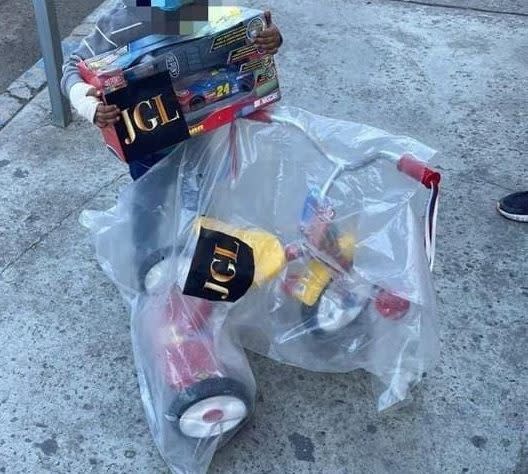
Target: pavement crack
<point x="492" y="183"/>
<point x="460" y="7"/>
<point x="46" y="234"/>
<point x="41" y="107"/>
<point x="21" y="105"/>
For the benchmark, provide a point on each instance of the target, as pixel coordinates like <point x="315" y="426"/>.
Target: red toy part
<point x="190" y="361"/>
<point x="418" y="170"/>
<point x="262" y="115"/>
<point x="186" y="348"/>
<point x="188" y="315"/>
<point x="293" y="252"/>
<point x="391" y="306"/>
<point x="220" y="117"/>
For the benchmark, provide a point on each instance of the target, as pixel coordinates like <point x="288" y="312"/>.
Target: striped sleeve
<point x="98" y="42"/>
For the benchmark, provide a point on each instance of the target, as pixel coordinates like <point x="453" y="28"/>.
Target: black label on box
<point x="229" y="38"/>
<point x="241" y="54"/>
<point x="151" y="116"/>
<point x="255" y="65"/>
<point x="222" y="268"/>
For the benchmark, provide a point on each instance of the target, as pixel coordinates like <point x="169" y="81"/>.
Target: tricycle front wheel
<point x="210" y="408"/>
<point x="333" y="311"/>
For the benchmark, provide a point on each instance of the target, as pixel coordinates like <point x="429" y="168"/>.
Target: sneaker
<point x="514" y="206"/>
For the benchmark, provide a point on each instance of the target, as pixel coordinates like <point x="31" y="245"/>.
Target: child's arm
<point x="270" y="39"/>
<point x="113" y="29"/>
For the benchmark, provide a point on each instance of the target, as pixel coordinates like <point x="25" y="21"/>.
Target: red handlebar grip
<point x="419" y="171"/>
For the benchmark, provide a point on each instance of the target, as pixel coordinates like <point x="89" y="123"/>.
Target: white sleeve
<point x="85" y="105"/>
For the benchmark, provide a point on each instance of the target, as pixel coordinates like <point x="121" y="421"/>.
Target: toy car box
<point x="171" y="88"/>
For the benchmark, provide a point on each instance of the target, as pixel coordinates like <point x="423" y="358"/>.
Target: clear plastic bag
<point x="293" y="235"/>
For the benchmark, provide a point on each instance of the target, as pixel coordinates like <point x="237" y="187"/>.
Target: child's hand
<point x="269" y="40"/>
<point x="105" y="114"/>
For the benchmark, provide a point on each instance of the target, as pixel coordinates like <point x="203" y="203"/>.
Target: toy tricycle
<point x="224" y="262"/>
<point x="249" y="239"/>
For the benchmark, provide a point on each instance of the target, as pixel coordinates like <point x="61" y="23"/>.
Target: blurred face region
<point x="173" y="17"/>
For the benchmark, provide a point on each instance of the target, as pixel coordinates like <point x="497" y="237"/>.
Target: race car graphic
<point x="212" y="86"/>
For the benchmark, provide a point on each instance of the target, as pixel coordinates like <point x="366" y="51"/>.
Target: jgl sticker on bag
<point x="222" y="268"/>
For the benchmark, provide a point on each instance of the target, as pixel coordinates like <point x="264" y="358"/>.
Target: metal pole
<point x="50" y="45"/>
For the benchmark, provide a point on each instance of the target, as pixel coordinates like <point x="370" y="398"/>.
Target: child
<point x="121" y="25"/>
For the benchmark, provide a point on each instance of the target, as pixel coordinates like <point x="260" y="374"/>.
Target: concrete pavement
<point x="19" y="47"/>
<point x="453" y="78"/>
<point x="509" y="7"/>
<point x="26" y="86"/>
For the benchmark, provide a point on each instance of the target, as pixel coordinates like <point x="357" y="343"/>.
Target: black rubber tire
<point x="309" y="317"/>
<point x="196" y="103"/>
<point x="209" y="388"/>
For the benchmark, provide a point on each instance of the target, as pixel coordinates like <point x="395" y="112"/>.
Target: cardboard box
<point x="171" y="88"/>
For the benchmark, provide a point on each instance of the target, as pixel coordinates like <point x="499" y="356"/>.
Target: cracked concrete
<point x="32" y="81"/>
<point x="454" y="78"/>
<point x="74" y="211"/>
<point x="501" y="7"/>
<point x="20" y="91"/>
<point x="9" y="106"/>
<point x="40" y="162"/>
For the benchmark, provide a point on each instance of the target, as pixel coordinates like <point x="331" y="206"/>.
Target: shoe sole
<point x="512" y="217"/>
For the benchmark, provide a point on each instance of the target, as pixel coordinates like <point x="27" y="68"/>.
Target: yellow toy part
<point x="311" y="285"/>
<point x="318" y="275"/>
<point x="347" y="246"/>
<point x="268" y="252"/>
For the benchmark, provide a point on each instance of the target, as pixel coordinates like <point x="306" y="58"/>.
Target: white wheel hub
<point x="213" y="416"/>
<point x="333" y="314"/>
<point x="157" y="278"/>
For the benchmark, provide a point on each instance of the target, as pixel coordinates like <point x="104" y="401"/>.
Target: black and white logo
<point x="222" y="269"/>
<point x="173" y="65"/>
<point x="254" y="27"/>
